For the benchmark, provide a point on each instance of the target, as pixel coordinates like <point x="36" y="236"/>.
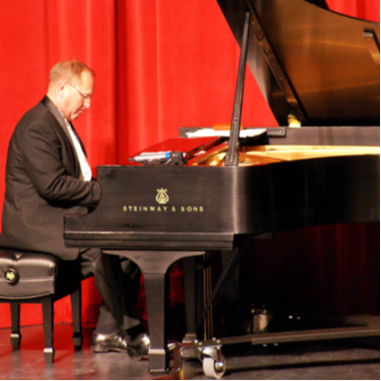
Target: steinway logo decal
<point x="162" y="198"/>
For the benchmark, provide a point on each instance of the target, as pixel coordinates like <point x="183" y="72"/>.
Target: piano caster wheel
<point x="213" y="369"/>
<point x="213" y="362"/>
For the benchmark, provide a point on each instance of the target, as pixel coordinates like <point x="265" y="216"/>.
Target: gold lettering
<point x="137" y="208"/>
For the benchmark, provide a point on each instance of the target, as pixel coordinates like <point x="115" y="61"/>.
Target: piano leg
<point x="156" y="287"/>
<point x="193" y="293"/>
<point x="193" y="286"/>
<point x="154" y="266"/>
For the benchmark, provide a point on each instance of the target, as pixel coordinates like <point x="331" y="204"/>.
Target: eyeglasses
<point x="86" y="98"/>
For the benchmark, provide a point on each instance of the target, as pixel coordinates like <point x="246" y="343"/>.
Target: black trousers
<point x="117" y="282"/>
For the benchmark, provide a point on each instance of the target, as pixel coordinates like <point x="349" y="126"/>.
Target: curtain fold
<point x="159" y="64"/>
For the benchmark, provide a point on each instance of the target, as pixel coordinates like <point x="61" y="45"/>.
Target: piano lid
<point x="319" y="65"/>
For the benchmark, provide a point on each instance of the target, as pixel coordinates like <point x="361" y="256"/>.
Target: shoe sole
<point x="102" y="349"/>
<point x="134" y="355"/>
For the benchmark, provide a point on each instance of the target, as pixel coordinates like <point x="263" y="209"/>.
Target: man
<point x="47" y="177"/>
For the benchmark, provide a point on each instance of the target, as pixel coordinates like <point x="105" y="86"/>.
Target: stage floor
<point x="333" y="360"/>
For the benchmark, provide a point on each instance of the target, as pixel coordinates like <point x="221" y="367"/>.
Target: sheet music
<point x="209" y="132"/>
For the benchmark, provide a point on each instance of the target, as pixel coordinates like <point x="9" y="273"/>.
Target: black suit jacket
<point x="43" y="183"/>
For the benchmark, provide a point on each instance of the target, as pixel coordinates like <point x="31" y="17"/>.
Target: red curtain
<point x="160" y="64"/>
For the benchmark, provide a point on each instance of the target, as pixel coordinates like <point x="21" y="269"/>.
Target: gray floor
<point x="331" y="360"/>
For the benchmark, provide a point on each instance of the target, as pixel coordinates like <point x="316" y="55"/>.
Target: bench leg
<point x="15" y="317"/>
<point x="76" y="305"/>
<point x="47" y="312"/>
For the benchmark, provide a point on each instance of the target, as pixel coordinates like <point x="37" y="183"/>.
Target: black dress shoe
<point x="139" y="347"/>
<point x="102" y="342"/>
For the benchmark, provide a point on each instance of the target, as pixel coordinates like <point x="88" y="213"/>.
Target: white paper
<point x="209" y="132"/>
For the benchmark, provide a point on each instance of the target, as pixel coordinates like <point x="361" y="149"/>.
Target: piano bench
<point x="30" y="277"/>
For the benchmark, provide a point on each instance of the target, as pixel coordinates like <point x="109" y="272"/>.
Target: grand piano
<point x="219" y="189"/>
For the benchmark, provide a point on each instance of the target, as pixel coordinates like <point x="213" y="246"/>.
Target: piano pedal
<point x="259" y="321"/>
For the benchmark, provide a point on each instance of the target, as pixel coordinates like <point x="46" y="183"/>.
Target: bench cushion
<point x="27" y="274"/>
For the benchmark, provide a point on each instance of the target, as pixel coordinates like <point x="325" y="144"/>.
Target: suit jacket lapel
<point x="53" y="109"/>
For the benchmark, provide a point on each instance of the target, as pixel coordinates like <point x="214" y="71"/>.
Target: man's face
<point x="75" y="96"/>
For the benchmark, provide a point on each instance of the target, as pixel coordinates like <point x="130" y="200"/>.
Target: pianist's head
<point x="71" y="85"/>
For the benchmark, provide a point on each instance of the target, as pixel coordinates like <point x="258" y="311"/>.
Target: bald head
<point x="71" y="85"/>
<point x="68" y="71"/>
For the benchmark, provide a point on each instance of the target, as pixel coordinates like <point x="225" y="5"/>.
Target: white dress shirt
<point x="85" y="167"/>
